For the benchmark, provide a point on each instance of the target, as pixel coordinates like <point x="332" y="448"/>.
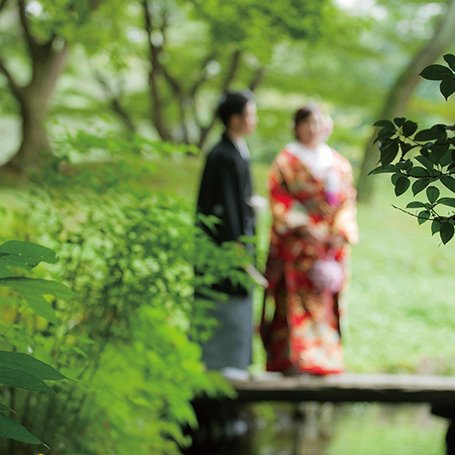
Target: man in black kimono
<point x="226" y="192"/>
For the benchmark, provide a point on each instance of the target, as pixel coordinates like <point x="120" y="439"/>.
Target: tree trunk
<point x="47" y="60"/>
<point x="35" y="149"/>
<point x="401" y="92"/>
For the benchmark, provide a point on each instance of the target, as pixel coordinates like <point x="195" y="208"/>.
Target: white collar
<point x="319" y="160"/>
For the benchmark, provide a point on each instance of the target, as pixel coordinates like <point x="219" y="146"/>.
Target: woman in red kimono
<point x="314" y="221"/>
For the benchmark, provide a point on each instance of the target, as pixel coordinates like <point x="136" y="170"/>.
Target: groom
<point x="226" y="192"/>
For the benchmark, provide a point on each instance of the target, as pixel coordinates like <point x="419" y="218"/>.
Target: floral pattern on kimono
<point x="314" y="217"/>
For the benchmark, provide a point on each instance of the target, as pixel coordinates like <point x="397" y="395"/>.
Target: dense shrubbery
<point x="127" y="336"/>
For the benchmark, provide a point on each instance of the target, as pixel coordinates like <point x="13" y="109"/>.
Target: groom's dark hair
<point x="233" y="103"/>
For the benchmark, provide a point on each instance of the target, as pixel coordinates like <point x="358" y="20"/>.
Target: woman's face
<point x="308" y="131"/>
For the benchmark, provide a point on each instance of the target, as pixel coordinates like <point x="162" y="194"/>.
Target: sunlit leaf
<point x="18" y="378"/>
<point x="33" y="291"/>
<point x="27" y="253"/>
<point x="29" y="364"/>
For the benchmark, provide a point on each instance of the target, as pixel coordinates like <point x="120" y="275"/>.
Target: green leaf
<point x="446" y="160"/>
<point x="409" y="128"/>
<point x="423" y="216"/>
<point x="446" y="232"/>
<point x="432" y="193"/>
<point x="383" y="169"/>
<point x="385" y="124"/>
<point x="401" y="185"/>
<point x="29" y="364"/>
<point x="416" y="205"/>
<point x="449" y="201"/>
<point x="435" y="72"/>
<point x="450" y="59"/>
<point x="418" y="171"/>
<point x="425" y="161"/>
<point x="394" y="177"/>
<point x="18" y="378"/>
<point x="27" y="253"/>
<point x="389" y="153"/>
<point x="439" y="150"/>
<point x="419" y="185"/>
<point x="435" y="227"/>
<point x="4" y="409"/>
<point x="34" y="289"/>
<point x="11" y="429"/>
<point x="428" y="134"/>
<point x="406" y="147"/>
<point x="399" y="121"/>
<point x="448" y="182"/>
<point x="447" y="86"/>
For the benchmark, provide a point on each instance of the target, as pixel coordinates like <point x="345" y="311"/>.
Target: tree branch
<point x="194" y="89"/>
<point x="203" y="74"/>
<point x="3" y="3"/>
<point x="154" y="73"/>
<point x="232" y="70"/>
<point x="234" y="65"/>
<point x="115" y="102"/>
<point x="31" y="42"/>
<point x="401" y="91"/>
<point x="15" y="88"/>
<point x="257" y="78"/>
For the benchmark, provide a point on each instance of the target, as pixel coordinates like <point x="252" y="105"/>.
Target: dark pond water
<point x="323" y="429"/>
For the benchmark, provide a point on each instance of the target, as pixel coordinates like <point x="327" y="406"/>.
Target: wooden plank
<point x="349" y="388"/>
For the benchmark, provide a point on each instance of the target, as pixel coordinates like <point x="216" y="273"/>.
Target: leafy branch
<point x="18" y="369"/>
<point x="423" y="159"/>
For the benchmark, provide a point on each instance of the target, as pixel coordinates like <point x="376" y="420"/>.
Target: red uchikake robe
<point x="304" y="335"/>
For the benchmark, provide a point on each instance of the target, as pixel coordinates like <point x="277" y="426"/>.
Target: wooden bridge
<point x="391" y="388"/>
<point x="438" y="391"/>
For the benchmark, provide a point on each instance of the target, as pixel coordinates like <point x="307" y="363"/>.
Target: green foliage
<point x="19" y="370"/>
<point x="115" y="144"/>
<point x="257" y="26"/>
<point x="130" y="336"/>
<point x="423" y="159"/>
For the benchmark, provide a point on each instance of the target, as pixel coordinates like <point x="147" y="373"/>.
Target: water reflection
<point x="324" y="429"/>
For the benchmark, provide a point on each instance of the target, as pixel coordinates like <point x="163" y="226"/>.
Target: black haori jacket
<point x="225" y="192"/>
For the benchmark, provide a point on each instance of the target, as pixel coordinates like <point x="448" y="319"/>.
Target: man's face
<point x="245" y="123"/>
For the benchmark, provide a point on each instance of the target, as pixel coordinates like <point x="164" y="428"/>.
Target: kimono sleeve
<point x="345" y="221"/>
<point x="288" y="213"/>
